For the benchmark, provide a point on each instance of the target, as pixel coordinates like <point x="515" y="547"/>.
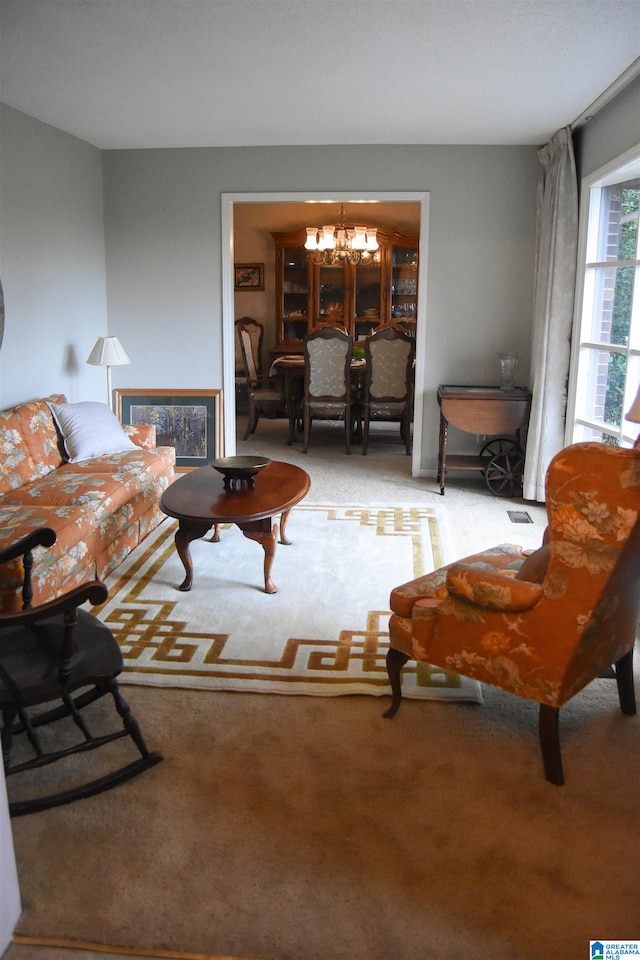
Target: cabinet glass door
<point x="331" y="294"/>
<point x="368" y="292"/>
<point x="295" y="293"/>
<point x="404" y="286"/>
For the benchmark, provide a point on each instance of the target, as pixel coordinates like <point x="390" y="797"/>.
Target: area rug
<point x="324" y="633"/>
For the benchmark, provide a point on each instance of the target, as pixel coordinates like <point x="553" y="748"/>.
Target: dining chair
<point x="542" y="626"/>
<point x="327" y="380"/>
<point x="265" y="395"/>
<point x="388" y="389"/>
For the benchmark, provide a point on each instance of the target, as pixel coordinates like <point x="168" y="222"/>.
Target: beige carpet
<point x="324" y="633"/>
<point x="310" y="828"/>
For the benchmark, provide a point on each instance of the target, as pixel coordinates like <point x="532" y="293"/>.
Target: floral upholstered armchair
<point x="541" y="626"/>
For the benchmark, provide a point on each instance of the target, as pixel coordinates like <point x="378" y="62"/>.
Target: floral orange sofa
<point x="101" y="506"/>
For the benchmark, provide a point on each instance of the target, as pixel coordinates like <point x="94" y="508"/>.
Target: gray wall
<point x="164" y="247"/>
<point x="52" y="261"/>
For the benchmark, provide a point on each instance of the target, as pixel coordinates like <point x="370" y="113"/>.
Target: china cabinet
<point x="358" y="297"/>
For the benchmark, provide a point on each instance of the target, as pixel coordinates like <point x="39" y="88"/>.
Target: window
<point x="605" y="355"/>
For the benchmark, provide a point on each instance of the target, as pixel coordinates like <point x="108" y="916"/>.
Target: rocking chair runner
<point x="60" y="659"/>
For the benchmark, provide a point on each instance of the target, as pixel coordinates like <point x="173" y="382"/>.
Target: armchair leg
<point x="549" y="730"/>
<point x="624" y="680"/>
<point x="395" y="662"/>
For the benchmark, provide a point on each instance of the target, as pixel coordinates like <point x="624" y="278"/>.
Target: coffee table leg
<point x="185" y="533"/>
<point x="265" y="533"/>
<point x="283" y="525"/>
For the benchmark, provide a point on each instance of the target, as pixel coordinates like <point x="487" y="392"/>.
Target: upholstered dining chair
<point x="55" y="661"/>
<point x="327" y="380"/>
<point x="265" y="395"/>
<point x="541" y="626"/>
<point x="388" y="389"/>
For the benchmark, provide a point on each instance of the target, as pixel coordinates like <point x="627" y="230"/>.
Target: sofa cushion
<point x="142" y="434"/>
<point x="39" y="433"/>
<point x="126" y="466"/>
<point x="101" y="494"/>
<point x="16" y="463"/>
<point x="89" y="430"/>
<point x="102" y="485"/>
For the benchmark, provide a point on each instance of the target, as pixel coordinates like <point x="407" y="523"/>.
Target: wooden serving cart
<point x="502" y="414"/>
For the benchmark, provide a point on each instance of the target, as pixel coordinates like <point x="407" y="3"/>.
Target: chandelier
<point x="341" y="244"/>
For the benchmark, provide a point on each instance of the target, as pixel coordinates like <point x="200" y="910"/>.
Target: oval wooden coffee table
<point x="198" y="501"/>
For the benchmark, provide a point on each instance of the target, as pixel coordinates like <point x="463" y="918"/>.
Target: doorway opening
<point x="285" y="211"/>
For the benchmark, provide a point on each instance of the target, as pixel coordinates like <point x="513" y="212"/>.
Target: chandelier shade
<point x="338" y="243"/>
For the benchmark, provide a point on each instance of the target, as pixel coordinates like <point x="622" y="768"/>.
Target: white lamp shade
<point x="327" y="240"/>
<point x="634" y="412"/>
<point x="108" y="352"/>
<point x="360" y="238"/>
<point x="312" y="239"/>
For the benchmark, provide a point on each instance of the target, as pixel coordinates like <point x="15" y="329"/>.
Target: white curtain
<point x="554" y="292"/>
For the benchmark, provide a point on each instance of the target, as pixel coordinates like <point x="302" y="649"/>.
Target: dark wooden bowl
<point x="239" y="471"/>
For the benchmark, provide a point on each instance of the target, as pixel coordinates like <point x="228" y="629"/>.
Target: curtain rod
<point x="612" y="91"/>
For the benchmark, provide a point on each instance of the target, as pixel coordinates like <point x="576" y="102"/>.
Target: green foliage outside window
<point x="623" y="298"/>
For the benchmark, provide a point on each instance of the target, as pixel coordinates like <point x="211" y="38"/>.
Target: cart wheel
<point x="498" y="445"/>
<point x="503" y="473"/>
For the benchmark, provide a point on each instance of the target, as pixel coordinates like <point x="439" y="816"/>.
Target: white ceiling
<point x="184" y="73"/>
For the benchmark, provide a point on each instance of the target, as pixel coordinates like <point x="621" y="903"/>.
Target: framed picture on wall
<point x="189" y="420"/>
<point x="248" y="276"/>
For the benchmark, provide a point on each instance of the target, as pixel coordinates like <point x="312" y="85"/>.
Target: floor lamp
<point x="108" y="352"/>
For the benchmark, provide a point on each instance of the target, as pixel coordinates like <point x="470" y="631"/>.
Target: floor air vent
<point x="519" y="516"/>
